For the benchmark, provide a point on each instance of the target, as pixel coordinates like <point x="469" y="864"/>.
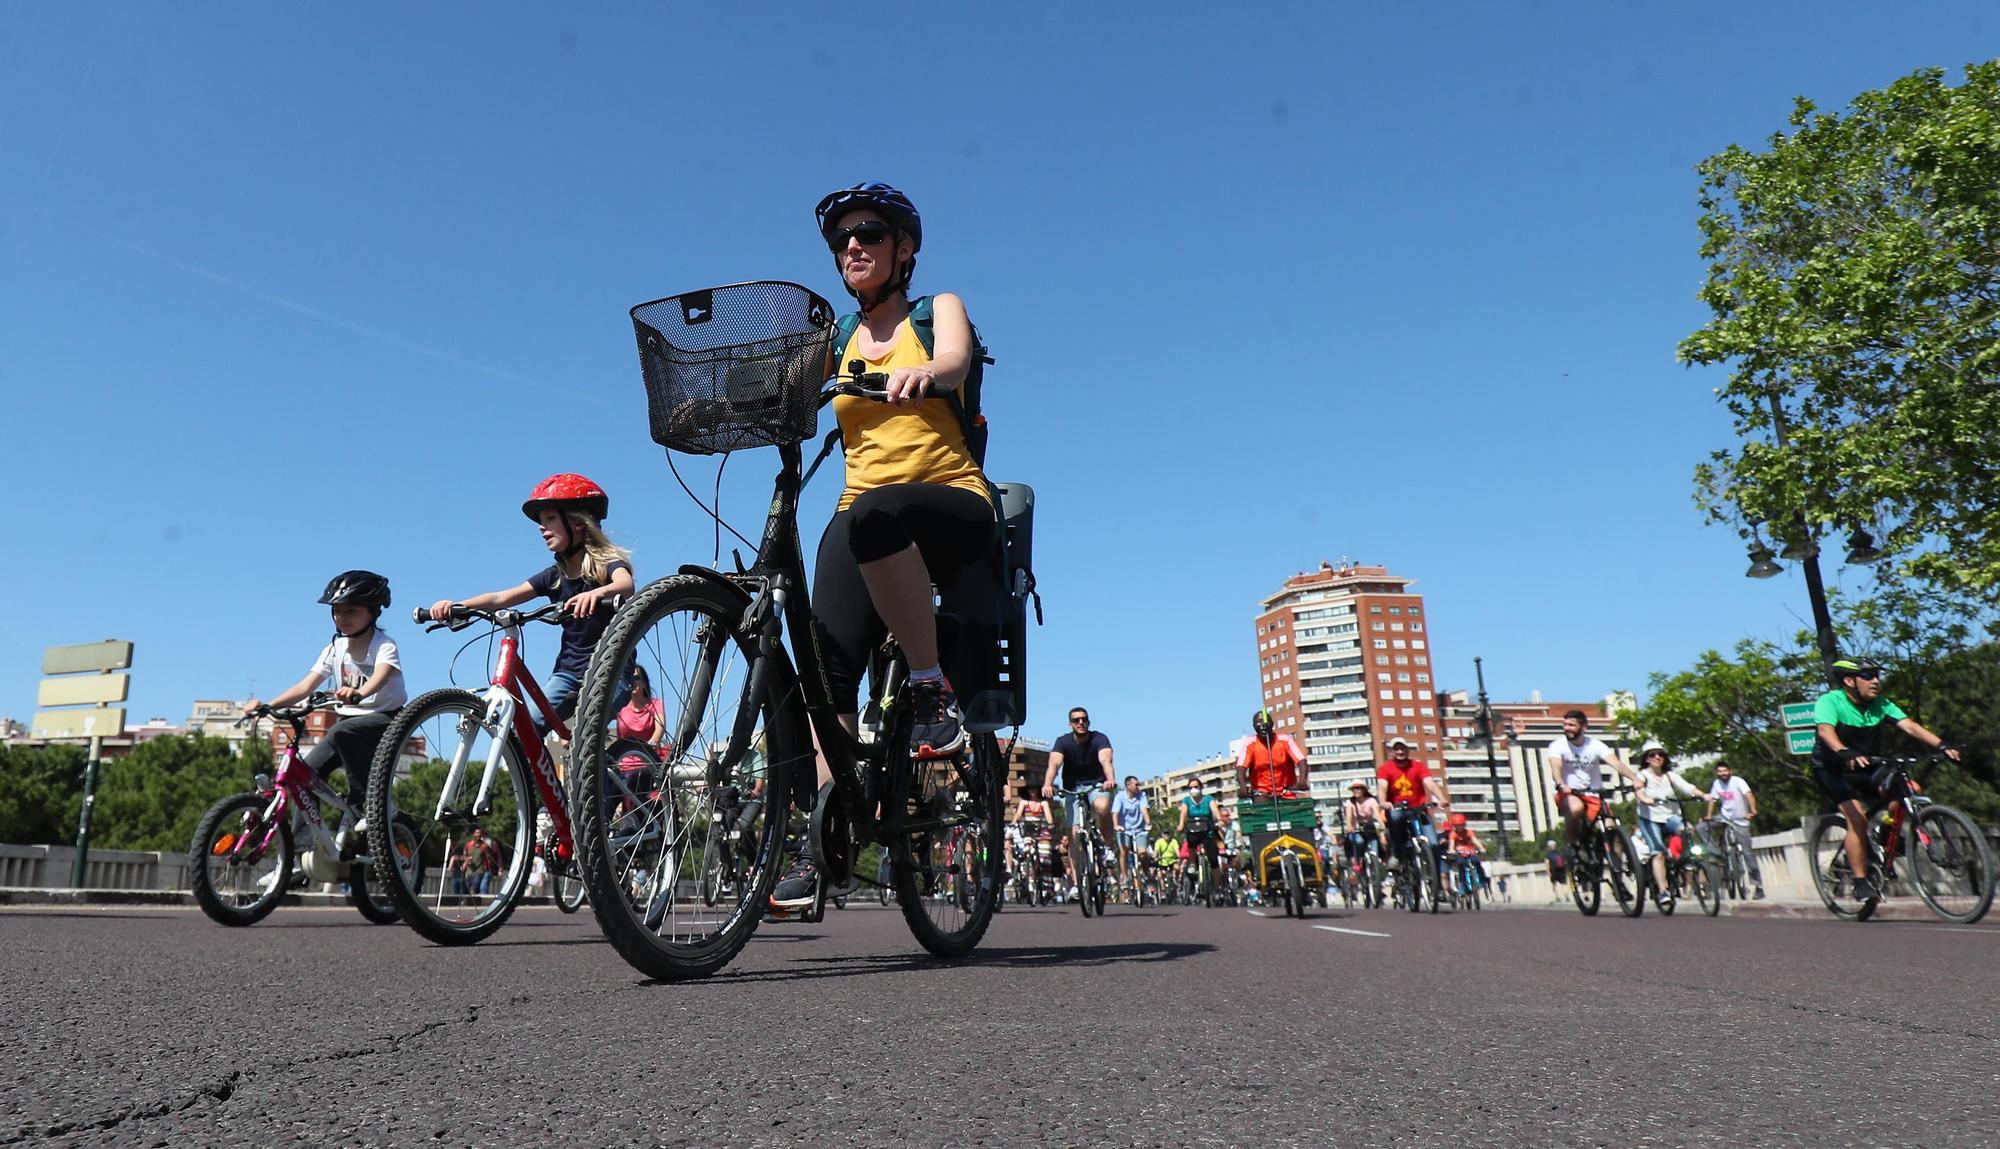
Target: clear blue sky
<point x="289" y="289"/>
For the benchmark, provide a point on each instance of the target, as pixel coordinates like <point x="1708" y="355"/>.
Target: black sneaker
<point x="1865" y="890"/>
<point x="796" y="889"/>
<point x="937" y="728"/>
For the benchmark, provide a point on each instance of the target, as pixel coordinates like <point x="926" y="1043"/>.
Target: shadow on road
<point x="1018" y="957"/>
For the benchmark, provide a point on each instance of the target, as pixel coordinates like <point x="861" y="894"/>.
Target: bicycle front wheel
<point x="1953" y="868"/>
<point x="240" y="866"/>
<point x="1700" y="877"/>
<point x="1833" y="876"/>
<point x="451" y="818"/>
<point x="644" y="831"/>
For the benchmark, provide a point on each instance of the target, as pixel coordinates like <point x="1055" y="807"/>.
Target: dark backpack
<point x="964" y="398"/>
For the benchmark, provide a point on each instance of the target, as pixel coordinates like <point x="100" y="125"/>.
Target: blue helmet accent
<point x="894" y="206"/>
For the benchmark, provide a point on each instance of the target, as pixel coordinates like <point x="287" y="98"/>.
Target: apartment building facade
<point x="1344" y="663"/>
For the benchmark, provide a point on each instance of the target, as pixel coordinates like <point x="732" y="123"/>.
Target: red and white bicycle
<point x="474" y="778"/>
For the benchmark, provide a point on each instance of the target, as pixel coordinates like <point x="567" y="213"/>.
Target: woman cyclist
<point x="916" y="507"/>
<point x="1659" y="814"/>
<point x="1196" y="829"/>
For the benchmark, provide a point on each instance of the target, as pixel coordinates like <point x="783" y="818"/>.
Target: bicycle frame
<point x="506" y="711"/>
<point x="293" y="784"/>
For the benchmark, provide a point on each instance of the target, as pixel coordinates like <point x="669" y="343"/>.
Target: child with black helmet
<point x="569" y="510"/>
<point x="361" y="669"/>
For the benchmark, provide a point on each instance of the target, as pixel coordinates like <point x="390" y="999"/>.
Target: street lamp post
<point x="1806" y="550"/>
<point x="1492" y="767"/>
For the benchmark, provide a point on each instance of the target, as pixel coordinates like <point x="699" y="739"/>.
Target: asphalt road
<point x="152" y="1027"/>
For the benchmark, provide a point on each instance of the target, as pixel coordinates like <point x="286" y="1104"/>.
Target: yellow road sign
<point x="83" y="689"/>
<point x="107" y="655"/>
<point x="96" y="722"/>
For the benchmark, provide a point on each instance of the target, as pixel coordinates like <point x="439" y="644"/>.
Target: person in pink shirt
<point x="642" y="718"/>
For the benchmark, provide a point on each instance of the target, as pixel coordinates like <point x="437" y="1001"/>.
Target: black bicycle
<point x="1605" y="856"/>
<point x="1690" y="870"/>
<point x="1730" y="860"/>
<point x="1934" y="848"/>
<point x="728" y="369"/>
<point x="1418" y="877"/>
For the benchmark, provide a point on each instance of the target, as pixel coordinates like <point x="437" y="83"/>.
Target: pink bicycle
<point x="250" y="849"/>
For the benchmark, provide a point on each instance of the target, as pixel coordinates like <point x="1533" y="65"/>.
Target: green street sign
<point x="1800" y="741"/>
<point x="1798" y="714"/>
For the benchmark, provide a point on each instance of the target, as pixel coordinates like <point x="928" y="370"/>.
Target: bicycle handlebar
<point x="463" y="616"/>
<point x="317" y="700"/>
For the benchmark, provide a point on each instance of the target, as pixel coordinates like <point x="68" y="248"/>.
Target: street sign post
<point x="80" y="678"/>
<point x="1800" y="729"/>
<point x="1797" y="714"/>
<point x="1800" y="741"/>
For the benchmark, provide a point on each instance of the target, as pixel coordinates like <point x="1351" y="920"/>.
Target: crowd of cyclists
<point x="1378" y="828"/>
<point x="916" y="506"/>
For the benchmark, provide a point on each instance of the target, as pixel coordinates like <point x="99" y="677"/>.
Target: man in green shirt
<point x="1852" y="719"/>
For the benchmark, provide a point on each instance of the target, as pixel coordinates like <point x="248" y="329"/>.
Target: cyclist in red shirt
<point x="1406" y="790"/>
<point x="1271" y="763"/>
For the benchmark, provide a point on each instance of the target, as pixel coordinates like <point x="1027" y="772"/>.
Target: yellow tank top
<point x="885" y="444"/>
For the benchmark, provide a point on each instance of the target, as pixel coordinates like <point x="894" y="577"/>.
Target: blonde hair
<point x="599" y="552"/>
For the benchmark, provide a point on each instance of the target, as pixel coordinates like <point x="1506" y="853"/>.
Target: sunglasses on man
<point x="868" y="234"/>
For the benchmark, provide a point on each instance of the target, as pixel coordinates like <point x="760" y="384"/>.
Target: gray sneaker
<point x="937" y="728"/>
<point x="796" y="889"/>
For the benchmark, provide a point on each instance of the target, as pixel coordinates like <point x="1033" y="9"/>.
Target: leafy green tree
<point x="152" y="798"/>
<point x="41" y="793"/>
<point x="1854" y="276"/>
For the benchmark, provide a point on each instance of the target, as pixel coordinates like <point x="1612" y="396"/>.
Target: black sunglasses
<point x="872" y="232"/>
<point x="1870" y="675"/>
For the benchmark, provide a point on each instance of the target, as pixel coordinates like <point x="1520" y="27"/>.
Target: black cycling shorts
<point x="1841" y="785"/>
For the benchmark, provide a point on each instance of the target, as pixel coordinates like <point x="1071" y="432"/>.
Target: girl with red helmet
<point x="569" y="510"/>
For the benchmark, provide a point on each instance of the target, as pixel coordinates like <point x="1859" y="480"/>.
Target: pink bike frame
<point x="512" y="675"/>
<point x="293" y="783"/>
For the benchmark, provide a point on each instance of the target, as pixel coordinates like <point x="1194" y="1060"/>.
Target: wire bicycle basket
<point x="728" y="368"/>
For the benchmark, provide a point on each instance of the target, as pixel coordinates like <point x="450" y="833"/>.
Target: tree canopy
<point x="1854" y="276"/>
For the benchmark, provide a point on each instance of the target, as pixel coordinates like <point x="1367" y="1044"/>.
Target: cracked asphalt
<point x="149" y="1026"/>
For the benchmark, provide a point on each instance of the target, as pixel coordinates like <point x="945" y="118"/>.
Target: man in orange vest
<point x="1271" y="763"/>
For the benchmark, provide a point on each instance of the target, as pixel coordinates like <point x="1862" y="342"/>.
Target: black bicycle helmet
<point x="1846" y="667"/>
<point x="894" y="206"/>
<point x="360" y="588"/>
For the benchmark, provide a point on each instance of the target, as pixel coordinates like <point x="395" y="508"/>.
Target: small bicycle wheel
<point x="451" y="818"/>
<point x="1295" y="891"/>
<point x="366" y="890"/>
<point x="569" y="891"/>
<point x="239" y="866"/>
<point x="948" y="843"/>
<point x="1953" y="868"/>
<point x="643" y="835"/>
<point x="373" y="903"/>
<point x="1833" y="876"/>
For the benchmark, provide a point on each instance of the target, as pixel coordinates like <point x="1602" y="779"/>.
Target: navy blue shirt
<point x="579" y="635"/>
<point x="1080" y="766"/>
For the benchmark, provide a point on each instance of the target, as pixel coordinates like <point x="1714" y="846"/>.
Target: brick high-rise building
<point x="1344" y="656"/>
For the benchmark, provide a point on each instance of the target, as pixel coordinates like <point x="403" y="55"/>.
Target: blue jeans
<point x="1404" y="819"/>
<point x="561" y="689"/>
<point x="1656" y="833"/>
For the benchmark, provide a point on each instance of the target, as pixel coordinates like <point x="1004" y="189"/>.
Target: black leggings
<point x="950" y="527"/>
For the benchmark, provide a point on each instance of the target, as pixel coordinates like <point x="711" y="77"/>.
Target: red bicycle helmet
<point x="1458" y="819"/>
<point x="567" y="492"/>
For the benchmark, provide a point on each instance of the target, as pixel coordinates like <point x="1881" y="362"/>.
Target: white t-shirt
<point x="1580" y="766"/>
<point x="1732" y="802"/>
<point x="336" y="668"/>
<point x="1661" y="789"/>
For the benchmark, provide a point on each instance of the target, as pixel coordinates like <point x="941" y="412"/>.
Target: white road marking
<point x="1358" y="933"/>
<point x="1960" y="930"/>
<point x="1255" y="913"/>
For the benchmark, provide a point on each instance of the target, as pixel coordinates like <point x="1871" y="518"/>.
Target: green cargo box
<point x="1265" y="817"/>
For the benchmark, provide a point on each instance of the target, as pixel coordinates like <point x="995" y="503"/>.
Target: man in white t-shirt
<point x="1732" y="797"/>
<point x="1578" y="761"/>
